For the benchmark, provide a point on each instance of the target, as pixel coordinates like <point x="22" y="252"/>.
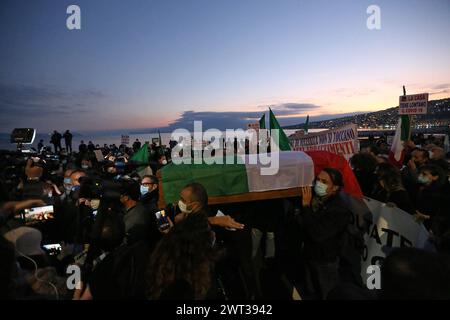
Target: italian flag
<point x="402" y="132"/>
<point x="296" y="169"/>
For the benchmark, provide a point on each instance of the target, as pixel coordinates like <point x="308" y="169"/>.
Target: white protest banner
<point x="391" y="228"/>
<point x="343" y="141"/>
<point x="413" y="104"/>
<point x="125" y="139"/>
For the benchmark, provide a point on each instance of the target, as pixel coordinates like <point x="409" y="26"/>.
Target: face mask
<point x="183" y="207"/>
<point x="320" y="189"/>
<point x="75" y="188"/>
<point x="144" y="190"/>
<point x="84" y="166"/>
<point x="422" y="179"/>
<point x="164" y="162"/>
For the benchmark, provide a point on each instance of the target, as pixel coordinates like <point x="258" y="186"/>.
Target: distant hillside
<point x="438" y="116"/>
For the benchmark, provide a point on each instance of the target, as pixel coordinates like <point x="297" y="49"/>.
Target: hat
<point x="26" y="240"/>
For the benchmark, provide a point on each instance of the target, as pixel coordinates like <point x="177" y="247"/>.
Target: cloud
<point x="439" y="92"/>
<point x="441" y="86"/>
<point x="239" y="119"/>
<point x="20" y="103"/>
<point x="294" y="106"/>
<point x="232" y="120"/>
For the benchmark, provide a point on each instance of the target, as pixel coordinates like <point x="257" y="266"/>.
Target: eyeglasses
<point x="148" y="183"/>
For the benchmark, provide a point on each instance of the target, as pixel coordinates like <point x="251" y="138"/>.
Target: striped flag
<point x="296" y="169"/>
<point x="402" y="133"/>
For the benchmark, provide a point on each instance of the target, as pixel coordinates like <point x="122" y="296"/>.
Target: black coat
<point x="324" y="229"/>
<point x="430" y="200"/>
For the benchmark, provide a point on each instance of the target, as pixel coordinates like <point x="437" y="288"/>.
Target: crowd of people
<point x="108" y="222"/>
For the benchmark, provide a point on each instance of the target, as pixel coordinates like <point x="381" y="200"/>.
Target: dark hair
<point x="374" y="149"/>
<point x="411" y="273"/>
<point x="131" y="189"/>
<point x="390" y="175"/>
<point x="336" y="176"/>
<point x="153" y="179"/>
<point x="424" y="152"/>
<point x="184" y="253"/>
<point x="198" y="192"/>
<point x="434" y="170"/>
<point x="363" y="162"/>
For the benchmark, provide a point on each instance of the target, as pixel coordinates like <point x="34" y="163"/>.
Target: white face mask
<point x="164" y="162"/>
<point x="183" y="207"/>
<point x="320" y="189"/>
<point x="84" y="166"/>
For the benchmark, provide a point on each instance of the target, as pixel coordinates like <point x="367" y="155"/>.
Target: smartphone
<point x="38" y="214"/>
<point x="52" y="249"/>
<point x="162" y="221"/>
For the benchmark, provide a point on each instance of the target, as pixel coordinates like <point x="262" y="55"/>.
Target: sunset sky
<point x="164" y="63"/>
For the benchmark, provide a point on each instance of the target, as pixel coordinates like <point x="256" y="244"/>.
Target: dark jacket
<point x="324" y="229"/>
<point x="150" y="203"/>
<point x="430" y="201"/>
<point x="140" y="224"/>
<point x="400" y="198"/>
<point x="67" y="137"/>
<point x="366" y="181"/>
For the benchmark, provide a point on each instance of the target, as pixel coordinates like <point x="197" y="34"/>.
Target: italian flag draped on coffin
<point x="296" y="169"/>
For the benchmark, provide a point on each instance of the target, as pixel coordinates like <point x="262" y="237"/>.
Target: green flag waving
<point x="141" y="155"/>
<point x="283" y="142"/>
<point x="262" y="122"/>
<point x="307" y="123"/>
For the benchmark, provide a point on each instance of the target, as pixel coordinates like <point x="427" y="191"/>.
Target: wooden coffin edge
<point x="235" y="198"/>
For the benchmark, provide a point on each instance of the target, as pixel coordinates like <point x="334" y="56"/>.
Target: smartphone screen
<point x="52" y="249"/>
<point x="161" y="220"/>
<point x="38" y="214"/>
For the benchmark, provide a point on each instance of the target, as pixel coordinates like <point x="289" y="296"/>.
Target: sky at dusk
<point x="164" y="63"/>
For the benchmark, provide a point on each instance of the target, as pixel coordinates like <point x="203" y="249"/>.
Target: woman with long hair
<point x="182" y="264"/>
<point x="391" y="188"/>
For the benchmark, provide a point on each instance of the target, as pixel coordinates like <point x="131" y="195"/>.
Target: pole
<point x="409" y="116"/>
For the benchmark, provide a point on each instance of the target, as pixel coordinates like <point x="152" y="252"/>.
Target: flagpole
<point x="409" y="117"/>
